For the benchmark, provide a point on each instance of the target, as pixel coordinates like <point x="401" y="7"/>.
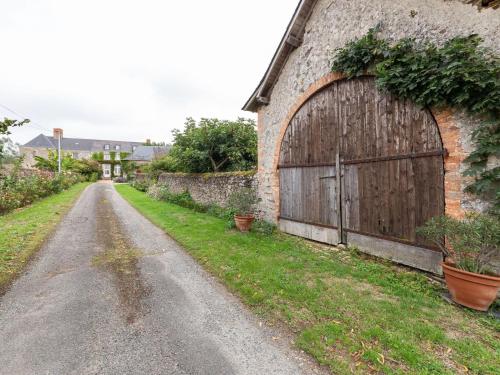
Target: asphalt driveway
<point x="110" y="293"/>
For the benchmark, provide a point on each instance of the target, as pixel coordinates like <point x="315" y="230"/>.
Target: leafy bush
<point x="93" y="177"/>
<point x="18" y="191"/>
<point x="470" y="243"/>
<point x="243" y="201"/>
<point x="263" y="227"/>
<point x="141" y="185"/>
<point x="162" y="192"/>
<point x="459" y="74"/>
<point x="220" y="212"/>
<point x="87" y="168"/>
<point x="184" y="199"/>
<point x="164" y="164"/>
<point x="158" y="192"/>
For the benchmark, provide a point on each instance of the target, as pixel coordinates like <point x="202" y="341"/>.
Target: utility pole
<point x="59" y="151"/>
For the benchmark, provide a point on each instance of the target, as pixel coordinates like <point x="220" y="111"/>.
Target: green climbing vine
<point x="459" y="74"/>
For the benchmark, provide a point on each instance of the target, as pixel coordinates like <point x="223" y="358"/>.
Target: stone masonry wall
<point x="29" y="154"/>
<point x="335" y="22"/>
<point x="209" y="188"/>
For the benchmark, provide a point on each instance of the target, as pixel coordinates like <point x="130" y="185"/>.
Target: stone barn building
<point x="399" y="164"/>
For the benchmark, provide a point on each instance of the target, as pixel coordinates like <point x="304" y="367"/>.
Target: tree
<point x="8" y="123"/>
<point x="7" y="148"/>
<point x="68" y="164"/>
<point x="87" y="167"/>
<point x="128" y="167"/>
<point x="51" y="163"/>
<point x="214" y="145"/>
<point x="149" y="143"/>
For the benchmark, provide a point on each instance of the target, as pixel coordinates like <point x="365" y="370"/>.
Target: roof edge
<point x="292" y="38"/>
<point x="49" y="137"/>
<point x="41" y="135"/>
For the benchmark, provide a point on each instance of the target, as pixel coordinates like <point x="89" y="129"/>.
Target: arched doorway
<point x="390" y="158"/>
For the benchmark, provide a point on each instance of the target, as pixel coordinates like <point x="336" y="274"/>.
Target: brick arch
<point x="450" y="137"/>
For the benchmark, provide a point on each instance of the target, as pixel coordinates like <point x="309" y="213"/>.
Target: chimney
<point x="56" y="132"/>
<point x="148" y="141"/>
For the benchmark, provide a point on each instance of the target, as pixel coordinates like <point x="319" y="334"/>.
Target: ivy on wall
<point x="99" y="156"/>
<point x="459" y="74"/>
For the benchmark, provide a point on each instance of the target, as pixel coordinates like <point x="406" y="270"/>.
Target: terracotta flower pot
<point x="243" y="222"/>
<point x="471" y="289"/>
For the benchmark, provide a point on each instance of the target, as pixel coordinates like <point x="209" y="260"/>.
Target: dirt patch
<point x="121" y="260"/>
<point x="364" y="288"/>
<point x="446" y="356"/>
<point x="458" y="328"/>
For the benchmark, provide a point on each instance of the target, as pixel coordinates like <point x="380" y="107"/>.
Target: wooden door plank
<point x="338" y="196"/>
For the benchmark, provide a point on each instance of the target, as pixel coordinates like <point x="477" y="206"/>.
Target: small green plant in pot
<point x="469" y="245"/>
<point x="242" y="203"/>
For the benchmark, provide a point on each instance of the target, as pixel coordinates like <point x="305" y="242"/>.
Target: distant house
<point x="109" y="153"/>
<point x="145" y="154"/>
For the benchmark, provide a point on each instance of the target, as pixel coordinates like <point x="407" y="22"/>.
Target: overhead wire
<point x="33" y="123"/>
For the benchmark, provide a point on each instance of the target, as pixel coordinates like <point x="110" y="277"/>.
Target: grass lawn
<point x="351" y="313"/>
<point x="23" y="231"/>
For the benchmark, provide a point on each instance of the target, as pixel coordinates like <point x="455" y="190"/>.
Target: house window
<point x="118" y="170"/>
<point x="117" y="147"/>
<point x="106" y="147"/>
<point x="133" y="148"/>
<point x="107" y="157"/>
<point x="117" y="156"/>
<point x="75" y="155"/>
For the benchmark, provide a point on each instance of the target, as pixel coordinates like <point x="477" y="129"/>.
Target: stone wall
<point x="29" y="154"/>
<point x="208" y="188"/>
<point x="335" y="22"/>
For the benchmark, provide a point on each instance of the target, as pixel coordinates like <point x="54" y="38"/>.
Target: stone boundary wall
<point x="208" y="188"/>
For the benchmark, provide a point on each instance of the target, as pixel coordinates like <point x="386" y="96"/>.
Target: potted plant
<point x="242" y="204"/>
<point x="469" y="245"/>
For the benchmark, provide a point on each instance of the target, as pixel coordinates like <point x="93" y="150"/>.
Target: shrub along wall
<point x="25" y="172"/>
<point x="207" y="188"/>
<point x="20" y="189"/>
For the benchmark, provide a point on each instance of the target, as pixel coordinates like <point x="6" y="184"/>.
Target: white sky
<point x="133" y="69"/>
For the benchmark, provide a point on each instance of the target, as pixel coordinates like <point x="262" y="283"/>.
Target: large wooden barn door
<point x="360" y="167"/>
